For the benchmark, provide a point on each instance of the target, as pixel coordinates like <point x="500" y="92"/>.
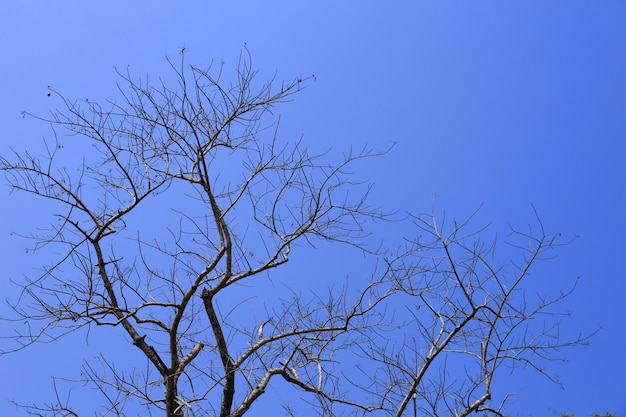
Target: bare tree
<point x="227" y="201"/>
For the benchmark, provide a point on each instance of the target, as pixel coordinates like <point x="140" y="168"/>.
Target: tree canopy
<point x="174" y="206"/>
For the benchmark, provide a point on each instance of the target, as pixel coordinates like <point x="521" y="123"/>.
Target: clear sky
<point x="506" y="103"/>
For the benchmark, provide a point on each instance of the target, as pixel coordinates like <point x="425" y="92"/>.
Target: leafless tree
<point x="184" y="203"/>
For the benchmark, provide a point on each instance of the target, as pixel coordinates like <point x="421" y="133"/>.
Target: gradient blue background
<point x="505" y="103"/>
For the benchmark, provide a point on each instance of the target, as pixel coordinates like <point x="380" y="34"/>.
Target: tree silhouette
<point x="187" y="199"/>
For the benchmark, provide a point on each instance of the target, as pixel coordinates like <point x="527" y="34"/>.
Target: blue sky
<point x="502" y="103"/>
